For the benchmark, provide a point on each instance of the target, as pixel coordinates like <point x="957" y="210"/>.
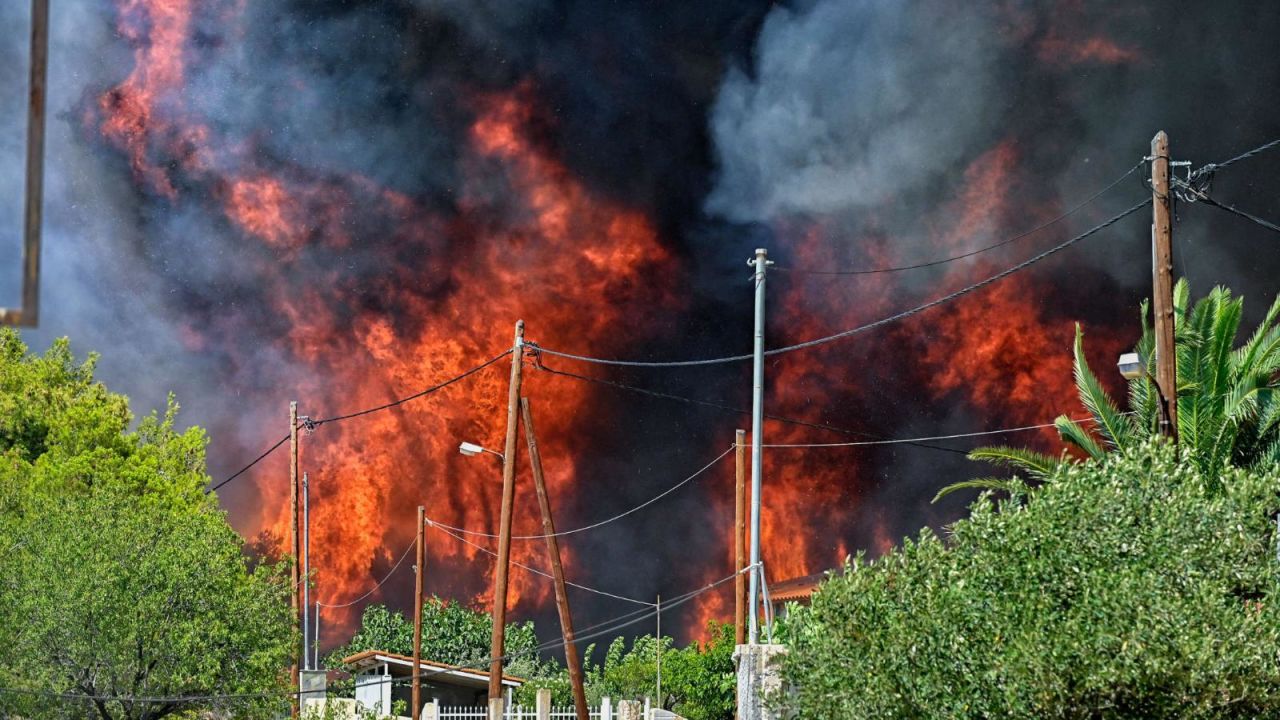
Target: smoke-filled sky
<point x="345" y="202"/>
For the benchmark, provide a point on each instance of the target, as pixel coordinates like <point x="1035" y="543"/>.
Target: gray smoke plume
<point x="849" y="103"/>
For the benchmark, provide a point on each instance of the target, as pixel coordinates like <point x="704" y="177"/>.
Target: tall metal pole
<point x="315" y="646"/>
<point x="293" y="537"/>
<point x="740" y="536"/>
<point x="557" y="570"/>
<point x="419" y="573"/>
<point x="504" y="523"/>
<point x="757" y="421"/>
<point x="306" y="568"/>
<point x="1162" y="281"/>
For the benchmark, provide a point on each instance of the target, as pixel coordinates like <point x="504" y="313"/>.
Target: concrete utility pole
<point x="419" y="573"/>
<point x="504" y="530"/>
<point x="740" y="536"/>
<point x="1162" y="280"/>
<point x="29" y="313"/>
<point x="557" y="570"/>
<point x="293" y="536"/>
<point x="761" y="262"/>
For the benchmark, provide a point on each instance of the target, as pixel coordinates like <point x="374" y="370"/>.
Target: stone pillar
<point x="543" y="706"/>
<point x="630" y="710"/>
<point x="431" y="710"/>
<point x="759" y="675"/>
<point x="496" y="707"/>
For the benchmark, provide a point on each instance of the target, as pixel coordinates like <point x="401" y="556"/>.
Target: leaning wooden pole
<point x="29" y="313"/>
<point x="1162" y="286"/>
<point x="502" y="564"/>
<point x="419" y="573"/>
<point x="557" y="570"/>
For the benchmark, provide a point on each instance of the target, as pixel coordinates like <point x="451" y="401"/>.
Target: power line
<point x="608" y="626"/>
<point x="1241" y="213"/>
<point x="535" y="571"/>
<point x="1213" y="167"/>
<point x="619" y="516"/>
<point x="980" y="433"/>
<point x="381" y="582"/>
<point x="971" y="253"/>
<point x="731" y="409"/>
<point x="869" y="326"/>
<point x="312" y="424"/>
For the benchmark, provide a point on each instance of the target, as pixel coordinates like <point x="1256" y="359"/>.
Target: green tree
<point x="698" y="681"/>
<point x="1228" y="404"/>
<point x="1132" y="586"/>
<point x="451" y="633"/>
<point x="119" y="576"/>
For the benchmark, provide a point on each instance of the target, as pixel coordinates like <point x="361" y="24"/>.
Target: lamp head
<point x="470" y="449"/>
<point x="1131" y="366"/>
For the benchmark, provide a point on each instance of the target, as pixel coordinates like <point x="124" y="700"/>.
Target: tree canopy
<point x="1133" y="585"/>
<point x="120" y="577"/>
<point x="1228" y="397"/>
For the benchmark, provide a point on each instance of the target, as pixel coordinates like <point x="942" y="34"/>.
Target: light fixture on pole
<point x="472" y="449"/>
<point x="1131" y="366"/>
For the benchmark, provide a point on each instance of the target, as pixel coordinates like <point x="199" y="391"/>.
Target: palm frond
<point x="1010" y="485"/>
<point x="1116" y="428"/>
<point x="1037" y="465"/>
<point x="1071" y="431"/>
<point x="1226" y="324"/>
<point x="1263" y="341"/>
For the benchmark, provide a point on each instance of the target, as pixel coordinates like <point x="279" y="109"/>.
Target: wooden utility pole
<point x="557" y="570"/>
<point x="293" y="537"/>
<point x="740" y="537"/>
<point x="1162" y="279"/>
<point x="501" y="566"/>
<point x="29" y="313"/>
<point x="419" y="573"/>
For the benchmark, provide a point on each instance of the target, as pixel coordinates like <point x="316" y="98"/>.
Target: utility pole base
<point x="759" y="676"/>
<point x="496" y="707"/>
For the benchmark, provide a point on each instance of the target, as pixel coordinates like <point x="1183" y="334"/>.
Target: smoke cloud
<point x="847" y="104"/>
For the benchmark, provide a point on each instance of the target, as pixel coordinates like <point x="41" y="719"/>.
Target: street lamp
<point x="472" y="449"/>
<point x="1131" y="366"/>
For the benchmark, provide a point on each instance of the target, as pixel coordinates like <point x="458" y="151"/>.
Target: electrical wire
<point x="381" y="582"/>
<point x="608" y="626"/>
<point x="731" y="409"/>
<point x="592" y="526"/>
<point x="981" y="433"/>
<point x="1241" y="213"/>
<point x="536" y="571"/>
<point x="312" y="424"/>
<point x="861" y="328"/>
<point x="971" y="253"/>
<point x="1213" y="167"/>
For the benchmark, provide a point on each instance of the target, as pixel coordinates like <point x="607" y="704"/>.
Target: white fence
<point x="607" y="710"/>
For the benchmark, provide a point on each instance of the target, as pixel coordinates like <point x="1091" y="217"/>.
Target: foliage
<point x="120" y="576"/>
<point x="698" y="681"/>
<point x="451" y="633"/>
<point x="1228" y="399"/>
<point x="1134" y="585"/>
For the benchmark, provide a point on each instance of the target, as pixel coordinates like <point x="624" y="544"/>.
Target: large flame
<point x="524" y="238"/>
<point x="545" y="249"/>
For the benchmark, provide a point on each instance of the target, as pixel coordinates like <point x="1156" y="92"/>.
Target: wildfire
<point x="546" y="249"/>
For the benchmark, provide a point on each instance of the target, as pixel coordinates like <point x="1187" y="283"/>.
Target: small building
<point x="381" y="678"/>
<point x="797" y="590"/>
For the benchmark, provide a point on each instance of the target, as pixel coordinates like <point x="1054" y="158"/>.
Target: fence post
<point x="606" y="708"/>
<point x="542" y="706"/>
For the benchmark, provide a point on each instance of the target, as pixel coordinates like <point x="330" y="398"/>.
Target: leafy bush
<point x="1134" y="586"/>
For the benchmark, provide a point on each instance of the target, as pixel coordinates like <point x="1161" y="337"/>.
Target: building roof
<point x="800" y="588"/>
<point x="468" y="677"/>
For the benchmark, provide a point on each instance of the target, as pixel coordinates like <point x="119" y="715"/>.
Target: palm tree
<point x="1228" y="399"/>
